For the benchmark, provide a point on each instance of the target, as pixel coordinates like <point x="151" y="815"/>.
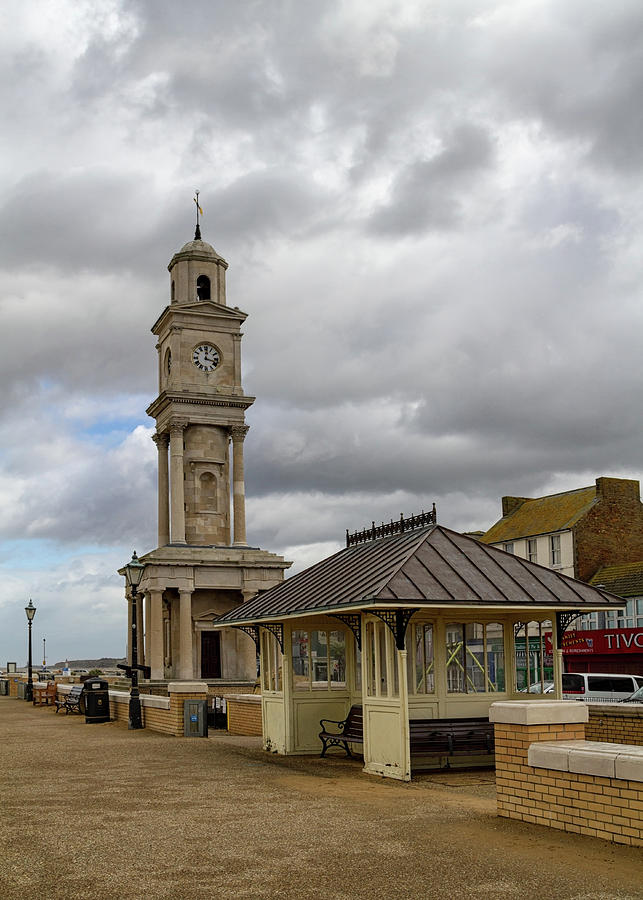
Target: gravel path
<point x="100" y="813"/>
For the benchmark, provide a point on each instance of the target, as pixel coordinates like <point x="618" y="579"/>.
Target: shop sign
<point x="608" y="640"/>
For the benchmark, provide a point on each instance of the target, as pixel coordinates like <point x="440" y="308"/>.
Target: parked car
<point x="546" y="688"/>
<point x="599" y="687"/>
<point x="637" y="697"/>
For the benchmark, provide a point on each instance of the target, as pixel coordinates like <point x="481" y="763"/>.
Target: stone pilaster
<point x="155" y="645"/>
<point x="186" y="666"/>
<point x="177" y="531"/>
<point x="146" y="659"/>
<point x="238" y="434"/>
<point x="162" y="441"/>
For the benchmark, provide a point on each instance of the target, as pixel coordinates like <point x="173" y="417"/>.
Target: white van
<point x="598" y="687"/>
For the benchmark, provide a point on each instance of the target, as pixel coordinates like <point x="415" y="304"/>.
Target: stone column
<point x="236" y="343"/>
<point x="155" y="643"/>
<point x="238" y="434"/>
<point x="129" y="631"/>
<point x="140" y="632"/>
<point x="177" y="427"/>
<point x="146" y="659"/>
<point x="186" y="668"/>
<point x="162" y="441"/>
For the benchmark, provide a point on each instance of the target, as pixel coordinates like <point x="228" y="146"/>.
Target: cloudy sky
<point x="433" y="214"/>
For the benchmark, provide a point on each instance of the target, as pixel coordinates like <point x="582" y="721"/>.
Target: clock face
<point x="206" y="357"/>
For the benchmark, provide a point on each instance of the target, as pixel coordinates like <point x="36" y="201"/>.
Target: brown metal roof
<point x="430" y="566"/>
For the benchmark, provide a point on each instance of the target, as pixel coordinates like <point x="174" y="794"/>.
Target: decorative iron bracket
<point x="518" y="627"/>
<point x="563" y="621"/>
<point x="354" y="622"/>
<point x="275" y="628"/>
<point x="397" y="620"/>
<point x="251" y="630"/>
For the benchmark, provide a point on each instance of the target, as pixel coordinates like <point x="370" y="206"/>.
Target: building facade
<point x="203" y="565"/>
<point x="594" y="534"/>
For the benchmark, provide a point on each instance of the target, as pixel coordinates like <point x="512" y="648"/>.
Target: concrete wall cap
<point x="538" y="712"/>
<point x="244" y="698"/>
<point x="624" y="761"/>
<point x="187" y="687"/>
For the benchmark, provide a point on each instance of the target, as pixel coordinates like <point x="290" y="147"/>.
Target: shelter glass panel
<point x="495" y="646"/>
<point x="381" y="643"/>
<point x="371" y="675"/>
<point x="475" y="658"/>
<point x="300" y="660"/>
<point x="455" y="659"/>
<point x="319" y="659"/>
<point x="421" y="659"/>
<point x="337" y="646"/>
<point x="533" y="657"/>
<point x="272" y="661"/>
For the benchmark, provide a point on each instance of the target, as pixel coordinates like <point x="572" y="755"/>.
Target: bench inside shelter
<point x="442" y="738"/>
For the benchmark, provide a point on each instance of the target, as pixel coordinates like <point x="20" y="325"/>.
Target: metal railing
<point x="395" y="526"/>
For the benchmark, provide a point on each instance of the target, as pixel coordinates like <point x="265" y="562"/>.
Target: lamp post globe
<point x="133" y="575"/>
<point x="30" y="611"/>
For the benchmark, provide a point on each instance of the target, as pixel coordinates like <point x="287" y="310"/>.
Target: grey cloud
<point x="429" y="193"/>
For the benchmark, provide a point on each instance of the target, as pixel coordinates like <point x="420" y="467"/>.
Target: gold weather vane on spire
<point x="197" y="233"/>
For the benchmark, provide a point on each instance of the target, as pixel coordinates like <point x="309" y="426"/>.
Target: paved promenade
<point x="100" y="813"/>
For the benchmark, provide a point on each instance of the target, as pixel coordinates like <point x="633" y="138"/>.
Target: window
<point x="534" y="660"/>
<point x="271" y="662"/>
<point x="318" y="660"/>
<point x="508" y="548"/>
<point x="554" y="549"/>
<point x="532" y="550"/>
<point x="475" y="658"/>
<point x="203" y="287"/>
<point x="420" y="659"/>
<point x="382" y="678"/>
<point x="207" y="491"/>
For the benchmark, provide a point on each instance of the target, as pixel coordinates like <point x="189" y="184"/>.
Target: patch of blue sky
<point x="111" y="433"/>
<point x="33" y="555"/>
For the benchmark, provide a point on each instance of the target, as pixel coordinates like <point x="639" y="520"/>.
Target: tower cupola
<point x="197" y="272"/>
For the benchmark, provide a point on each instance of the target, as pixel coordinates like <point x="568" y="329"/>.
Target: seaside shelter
<point x="410" y="623"/>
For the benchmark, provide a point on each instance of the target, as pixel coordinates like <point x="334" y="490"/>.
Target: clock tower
<point x="203" y="565"/>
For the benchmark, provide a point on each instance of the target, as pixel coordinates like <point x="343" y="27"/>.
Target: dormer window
<point x="203" y="287"/>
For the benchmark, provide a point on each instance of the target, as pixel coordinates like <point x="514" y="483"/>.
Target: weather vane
<point x="197" y="233"/>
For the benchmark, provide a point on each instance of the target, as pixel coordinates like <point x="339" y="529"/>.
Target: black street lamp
<point x="31" y="612"/>
<point x="133" y="574"/>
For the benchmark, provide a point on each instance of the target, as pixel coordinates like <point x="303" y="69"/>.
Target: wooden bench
<point x="71" y="701"/>
<point x="42" y="695"/>
<point x="446" y="738"/>
<point x="451" y="738"/>
<point x="349" y="731"/>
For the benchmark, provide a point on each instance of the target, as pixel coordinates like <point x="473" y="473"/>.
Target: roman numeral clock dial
<point x="206" y="357"/>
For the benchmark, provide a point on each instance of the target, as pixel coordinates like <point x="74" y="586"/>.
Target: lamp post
<point x="31" y="612"/>
<point x="133" y="574"/>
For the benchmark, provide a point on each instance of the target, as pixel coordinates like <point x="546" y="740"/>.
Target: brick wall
<point x="244" y="715"/>
<point x="605" y="807"/>
<point x="615" y="724"/>
<point x="612" y="530"/>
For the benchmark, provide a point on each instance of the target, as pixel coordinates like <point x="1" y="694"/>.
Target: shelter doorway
<point x="210" y="654"/>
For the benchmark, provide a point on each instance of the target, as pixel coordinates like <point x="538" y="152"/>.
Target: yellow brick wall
<point x="608" y="808"/>
<point x="244" y="718"/>
<point x="617" y="726"/>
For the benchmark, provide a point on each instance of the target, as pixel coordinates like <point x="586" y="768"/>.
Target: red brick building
<point x="594" y="534"/>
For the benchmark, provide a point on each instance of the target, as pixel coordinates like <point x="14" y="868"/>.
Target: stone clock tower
<point x="203" y="565"/>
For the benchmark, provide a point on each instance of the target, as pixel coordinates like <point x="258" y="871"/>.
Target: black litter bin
<point x="96" y="697"/>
